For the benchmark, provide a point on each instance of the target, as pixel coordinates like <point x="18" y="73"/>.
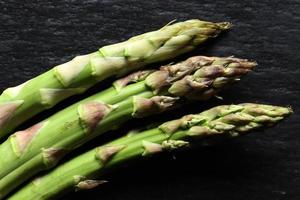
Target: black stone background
<point x="37" y="35"/>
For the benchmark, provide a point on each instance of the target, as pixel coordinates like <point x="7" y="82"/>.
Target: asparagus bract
<point x="80" y="172"/>
<point x="40" y="147"/>
<point x="18" y="104"/>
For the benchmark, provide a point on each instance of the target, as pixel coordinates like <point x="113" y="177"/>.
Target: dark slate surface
<point x="36" y="35"/>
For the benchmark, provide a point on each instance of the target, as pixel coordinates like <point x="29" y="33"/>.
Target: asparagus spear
<point x="80" y="172"/>
<point x="18" y="104"/>
<point x="27" y="152"/>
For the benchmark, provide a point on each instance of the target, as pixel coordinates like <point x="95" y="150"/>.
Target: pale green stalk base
<point x="11" y="160"/>
<point x="36" y="163"/>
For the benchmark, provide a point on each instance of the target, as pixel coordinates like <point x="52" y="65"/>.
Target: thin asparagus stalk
<point x="80" y="172"/>
<point x="40" y="147"/>
<point x="20" y="103"/>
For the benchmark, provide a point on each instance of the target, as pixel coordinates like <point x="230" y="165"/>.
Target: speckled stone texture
<point x="37" y="35"/>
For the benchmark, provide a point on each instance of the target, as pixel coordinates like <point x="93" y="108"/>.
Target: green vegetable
<point x="40" y="147"/>
<point x="80" y="173"/>
<point x="20" y="103"/>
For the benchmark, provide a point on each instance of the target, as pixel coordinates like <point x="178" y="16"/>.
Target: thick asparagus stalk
<point x="20" y="103"/>
<point x="27" y="152"/>
<point x="80" y="173"/>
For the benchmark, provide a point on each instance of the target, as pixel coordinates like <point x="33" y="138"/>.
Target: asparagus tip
<point x="290" y="109"/>
<point x="225" y="25"/>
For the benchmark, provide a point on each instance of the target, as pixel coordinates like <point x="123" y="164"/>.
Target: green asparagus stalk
<point x="20" y="103"/>
<point x="80" y="172"/>
<point x="40" y="147"/>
